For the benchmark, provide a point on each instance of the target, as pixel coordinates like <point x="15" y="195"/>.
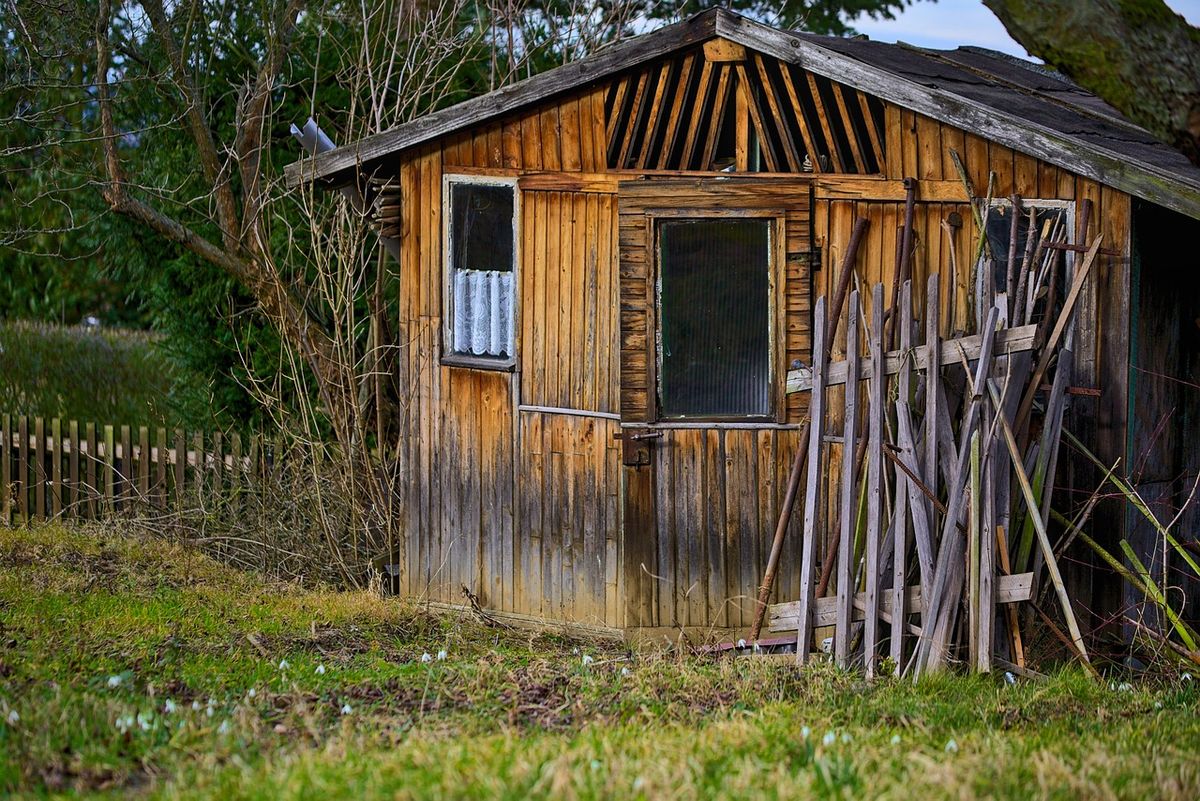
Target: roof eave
<point x="337" y="166"/>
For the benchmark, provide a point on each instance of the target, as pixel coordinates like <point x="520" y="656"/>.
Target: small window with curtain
<point x="714" y="317"/>
<point x="481" y="270"/>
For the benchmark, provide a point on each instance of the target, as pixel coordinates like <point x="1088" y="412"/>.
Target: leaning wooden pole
<point x="793" y="485"/>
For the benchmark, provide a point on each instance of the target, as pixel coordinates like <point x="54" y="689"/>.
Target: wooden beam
<point x="785" y="616"/>
<point x="724" y="51"/>
<point x="883" y="190"/>
<point x="1010" y="340"/>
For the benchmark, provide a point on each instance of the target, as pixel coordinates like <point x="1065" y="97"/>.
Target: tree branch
<point x="1141" y="57"/>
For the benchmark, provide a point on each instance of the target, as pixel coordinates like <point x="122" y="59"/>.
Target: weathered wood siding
<point x="514" y="484"/>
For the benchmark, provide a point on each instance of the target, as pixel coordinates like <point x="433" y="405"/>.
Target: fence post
<point x="143" y="467"/>
<point x="39" y="468"/>
<point x="180" y="467"/>
<point x="200" y="467"/>
<point x="108" y="503"/>
<point x="93" y="485"/>
<point x="6" y="471"/>
<point x="71" y="500"/>
<point x="56" y="453"/>
<point x="126" y="468"/>
<point x="160" y="469"/>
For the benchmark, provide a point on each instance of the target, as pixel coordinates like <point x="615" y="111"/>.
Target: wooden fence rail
<point x="87" y="471"/>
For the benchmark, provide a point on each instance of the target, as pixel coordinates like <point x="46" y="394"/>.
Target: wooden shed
<point x="608" y="269"/>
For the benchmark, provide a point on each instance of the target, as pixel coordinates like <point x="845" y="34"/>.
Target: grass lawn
<point x="132" y="666"/>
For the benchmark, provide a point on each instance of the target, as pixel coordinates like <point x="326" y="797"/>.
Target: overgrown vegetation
<point x="109" y="376"/>
<point x="128" y="663"/>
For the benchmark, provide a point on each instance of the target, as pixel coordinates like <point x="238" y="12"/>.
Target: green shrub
<point x="87" y="374"/>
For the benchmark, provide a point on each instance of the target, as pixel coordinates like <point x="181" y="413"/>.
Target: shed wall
<point x="513" y="480"/>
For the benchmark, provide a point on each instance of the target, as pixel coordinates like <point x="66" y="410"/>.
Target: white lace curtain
<point x="483" y="312"/>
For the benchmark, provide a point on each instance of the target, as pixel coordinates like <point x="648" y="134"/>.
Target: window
<point x="1057" y="217"/>
<point x="714" y="329"/>
<point x="481" y="269"/>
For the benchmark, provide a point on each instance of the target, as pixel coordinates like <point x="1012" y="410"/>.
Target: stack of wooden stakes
<point x="949" y="449"/>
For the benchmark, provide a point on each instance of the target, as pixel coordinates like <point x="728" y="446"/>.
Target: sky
<point x="947" y="24"/>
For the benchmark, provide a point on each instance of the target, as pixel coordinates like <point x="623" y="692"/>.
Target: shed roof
<point x="1003" y="99"/>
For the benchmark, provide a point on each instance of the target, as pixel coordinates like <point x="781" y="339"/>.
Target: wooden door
<point x="706" y="442"/>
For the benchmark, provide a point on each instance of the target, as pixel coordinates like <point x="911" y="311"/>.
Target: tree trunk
<point x="1139" y="55"/>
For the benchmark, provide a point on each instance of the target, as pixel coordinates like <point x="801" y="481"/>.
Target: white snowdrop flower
<point x="595" y="764"/>
<point x="756" y="648"/>
<point x="575" y="651"/>
<point x="425" y="657"/>
<point x="895" y="739"/>
<point x="639" y="783"/>
<point x="346" y="710"/>
<point x="195" y="706"/>
<point x="169" y="707"/>
<point x="320" y="670"/>
<point x="251" y="692"/>
<point x="586" y="660"/>
<point x="805" y="732"/>
<point x="741" y="643"/>
<point x="951" y="747"/>
<point x="1009" y="678"/>
<point x="143" y="721"/>
<point x="441" y="655"/>
<point x="13" y="717"/>
<point x="283" y="664"/>
<point x="829" y="739"/>
<point x="208" y="713"/>
<point x="1124" y="687"/>
<point x="124" y="723"/>
<point x="624" y="671"/>
<point x="1158" y="704"/>
<point x="846" y="737"/>
<point x="1186" y="677"/>
<point x="223" y="728"/>
<point x="114" y="681"/>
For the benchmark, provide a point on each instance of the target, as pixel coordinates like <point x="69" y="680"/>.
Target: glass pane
<point x="481" y="227"/>
<point x="714" y="293"/>
<point x="999" y="230"/>
<point x="481" y="269"/>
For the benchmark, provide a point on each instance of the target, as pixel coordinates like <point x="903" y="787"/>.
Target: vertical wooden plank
<point x="696" y="122"/>
<point x="810" y="148"/>
<point x="73" y="501"/>
<point x="588" y="131"/>
<point x="812" y="521"/>
<point x="720" y="103"/>
<point x="849" y="497"/>
<point x="987" y="552"/>
<point x="929" y="149"/>
<point x="531" y="141"/>
<point x="650" y="127"/>
<point x="93" y="463"/>
<point x="974" y="535"/>
<point x="56" y="485"/>
<point x="933" y="350"/>
<point x="179" y="468"/>
<point x="22" y="482"/>
<point x="40" y="457"/>
<point x="161" y="458"/>
<point x="874" y="484"/>
<point x="510" y="144"/>
<point x="860" y="165"/>
<point x="126" y="476"/>
<point x="893" y="162"/>
<point x="110" y="483"/>
<point x="6" y="454"/>
<point x="569" y="135"/>
<point x="143" y="466"/>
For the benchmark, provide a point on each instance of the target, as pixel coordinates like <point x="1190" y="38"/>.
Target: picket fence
<point x="54" y="469"/>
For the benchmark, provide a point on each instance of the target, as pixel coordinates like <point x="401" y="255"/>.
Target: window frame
<point x="776" y="261"/>
<point x="449" y="356"/>
<point x="1068" y="207"/>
